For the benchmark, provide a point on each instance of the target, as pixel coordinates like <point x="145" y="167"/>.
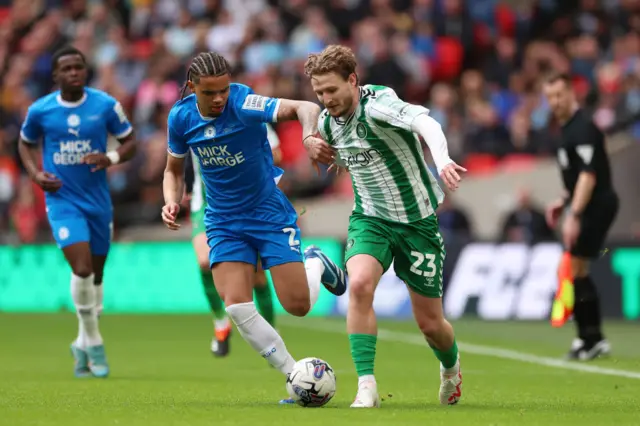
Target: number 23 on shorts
<point x="424" y="275"/>
<point x="429" y="269"/>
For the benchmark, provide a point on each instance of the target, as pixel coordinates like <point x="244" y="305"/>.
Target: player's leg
<point x="276" y="235"/>
<point x="233" y="263"/>
<point x="221" y="324"/>
<point x="71" y="233"/>
<point x="99" y="262"/>
<point x="419" y="258"/>
<point x="595" y="225"/>
<point x="100" y="235"/>
<point x="367" y="256"/>
<point x="262" y="295"/>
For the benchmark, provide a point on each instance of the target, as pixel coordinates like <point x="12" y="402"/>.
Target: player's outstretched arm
<point x="432" y="133"/>
<point x="172" y="188"/>
<point x="306" y="113"/>
<point x="392" y="110"/>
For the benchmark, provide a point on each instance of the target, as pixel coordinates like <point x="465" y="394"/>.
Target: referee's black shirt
<point x="582" y="149"/>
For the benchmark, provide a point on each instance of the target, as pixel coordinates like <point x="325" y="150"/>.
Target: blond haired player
<point x="375" y="136"/>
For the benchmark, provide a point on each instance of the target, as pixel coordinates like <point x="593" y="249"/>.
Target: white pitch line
<point x="414" y="339"/>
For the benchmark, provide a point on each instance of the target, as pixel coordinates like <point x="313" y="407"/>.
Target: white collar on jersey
<point x="68" y="104"/>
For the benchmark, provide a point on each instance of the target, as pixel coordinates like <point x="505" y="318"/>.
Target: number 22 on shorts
<point x="430" y="270"/>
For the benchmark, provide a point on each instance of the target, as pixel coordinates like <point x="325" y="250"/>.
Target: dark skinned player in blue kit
<point x="72" y="125"/>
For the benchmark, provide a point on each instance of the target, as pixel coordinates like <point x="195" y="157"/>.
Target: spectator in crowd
<point x="526" y="223"/>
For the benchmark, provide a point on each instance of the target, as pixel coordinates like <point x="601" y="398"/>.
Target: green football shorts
<point x="416" y="249"/>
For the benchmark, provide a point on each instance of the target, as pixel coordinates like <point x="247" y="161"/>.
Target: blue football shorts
<point x="268" y="231"/>
<point x="70" y="225"/>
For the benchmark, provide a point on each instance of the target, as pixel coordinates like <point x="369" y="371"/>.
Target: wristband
<point x="113" y="156"/>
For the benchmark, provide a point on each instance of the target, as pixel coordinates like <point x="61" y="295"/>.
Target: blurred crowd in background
<point x="475" y="63"/>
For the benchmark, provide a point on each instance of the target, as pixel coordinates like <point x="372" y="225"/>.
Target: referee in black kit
<point x="590" y="205"/>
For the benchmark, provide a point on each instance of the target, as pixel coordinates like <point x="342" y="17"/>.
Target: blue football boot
<point x="333" y="278"/>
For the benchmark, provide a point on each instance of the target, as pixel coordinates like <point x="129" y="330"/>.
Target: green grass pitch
<point x="164" y="374"/>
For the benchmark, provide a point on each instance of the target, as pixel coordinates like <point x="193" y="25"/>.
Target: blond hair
<point x="334" y="58"/>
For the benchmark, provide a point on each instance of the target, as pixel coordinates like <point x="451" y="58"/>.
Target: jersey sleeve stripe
<point x="176" y="155"/>
<point x="25" y="138"/>
<point x="274" y="118"/>
<point x="124" y="134"/>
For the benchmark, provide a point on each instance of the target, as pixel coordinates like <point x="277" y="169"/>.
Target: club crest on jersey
<point x="361" y="131"/>
<point x="73" y="120"/>
<point x="209" y="132"/>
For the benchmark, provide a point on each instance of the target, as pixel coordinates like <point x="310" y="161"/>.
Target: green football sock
<point x="216" y="303"/>
<point x="264" y="303"/>
<point x="363" y="352"/>
<point x="449" y="357"/>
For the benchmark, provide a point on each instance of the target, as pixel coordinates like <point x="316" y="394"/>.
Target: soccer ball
<point x="311" y="383"/>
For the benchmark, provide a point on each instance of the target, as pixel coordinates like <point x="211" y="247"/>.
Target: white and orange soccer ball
<point x="312" y="382"/>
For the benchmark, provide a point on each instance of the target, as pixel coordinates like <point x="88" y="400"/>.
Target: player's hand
<point x="47" y="181"/>
<point x="570" y="231"/>
<point x="170" y="215"/>
<point x="99" y="160"/>
<point x="450" y="175"/>
<point x="553" y="213"/>
<point x="319" y="150"/>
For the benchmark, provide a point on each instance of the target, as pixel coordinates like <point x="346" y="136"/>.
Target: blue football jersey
<point x="232" y="150"/>
<point x="69" y="131"/>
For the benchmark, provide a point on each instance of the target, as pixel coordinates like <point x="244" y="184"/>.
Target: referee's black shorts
<point x="594" y="226"/>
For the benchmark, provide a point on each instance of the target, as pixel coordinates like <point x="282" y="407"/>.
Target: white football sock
<point x="84" y="297"/>
<point x="99" y="296"/>
<point x="263" y="338"/>
<point x="314" y="268"/>
<point x="221" y="324"/>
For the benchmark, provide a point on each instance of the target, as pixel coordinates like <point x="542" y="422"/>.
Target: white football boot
<point x="367" y="396"/>
<point x="450" y="384"/>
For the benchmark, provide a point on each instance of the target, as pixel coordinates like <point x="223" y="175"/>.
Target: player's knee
<point x="203" y="263"/>
<point x="298" y="306"/>
<point x="361" y="287"/>
<point x="82" y="270"/>
<point x="430" y="325"/>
